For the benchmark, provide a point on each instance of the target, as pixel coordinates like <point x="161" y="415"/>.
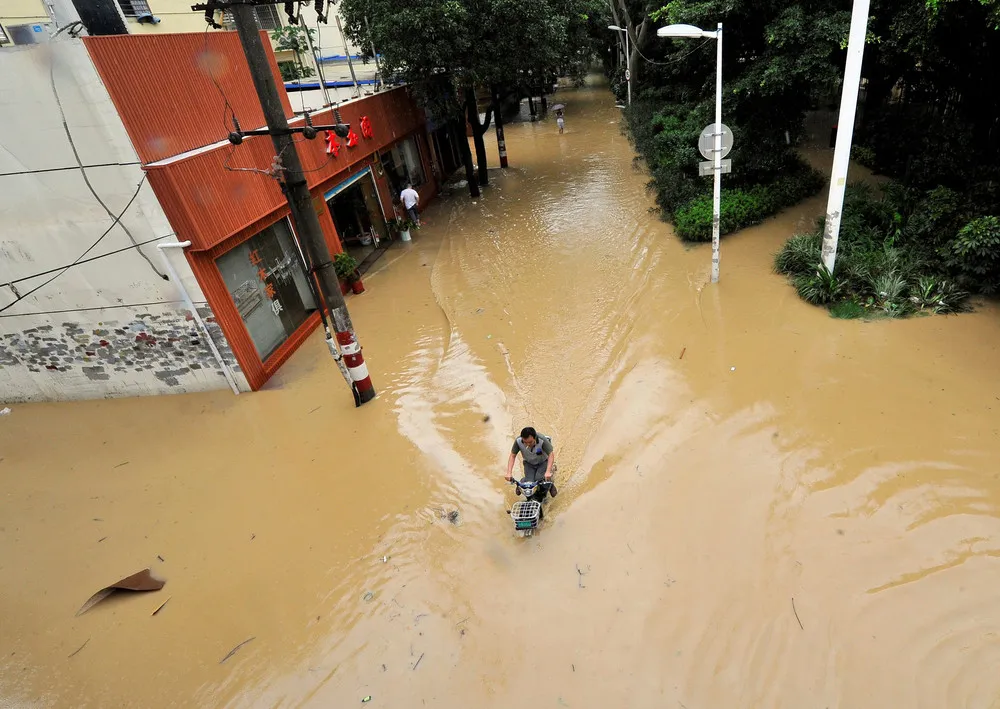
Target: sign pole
<point x="717" y="159"/>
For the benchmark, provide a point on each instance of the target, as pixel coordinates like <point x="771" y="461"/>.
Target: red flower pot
<point x="357" y="287"/>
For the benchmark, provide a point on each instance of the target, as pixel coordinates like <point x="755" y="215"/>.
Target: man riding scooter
<point x="538" y="457"/>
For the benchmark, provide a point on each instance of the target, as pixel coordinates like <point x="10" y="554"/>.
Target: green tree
<point x="779" y="59"/>
<point x="444" y="49"/>
<point x="291" y="38"/>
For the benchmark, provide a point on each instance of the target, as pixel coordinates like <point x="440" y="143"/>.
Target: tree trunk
<point x="463" y="147"/>
<point x="478" y="131"/>
<point x="498" y="118"/>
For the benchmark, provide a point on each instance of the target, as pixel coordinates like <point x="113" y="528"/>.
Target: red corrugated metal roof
<point x="207" y="203"/>
<point x="162" y="86"/>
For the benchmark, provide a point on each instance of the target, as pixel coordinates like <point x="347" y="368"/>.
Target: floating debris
<point x="140" y="581"/>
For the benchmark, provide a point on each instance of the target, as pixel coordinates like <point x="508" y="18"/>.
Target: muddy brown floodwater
<point x="760" y="506"/>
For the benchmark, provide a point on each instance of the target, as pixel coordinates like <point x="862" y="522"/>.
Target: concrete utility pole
<point x="845" y="132"/>
<point x="307" y="226"/>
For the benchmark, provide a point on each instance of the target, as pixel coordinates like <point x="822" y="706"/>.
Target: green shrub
<point x="974" y="254"/>
<point x="863" y="155"/>
<point x="887" y="262"/>
<point x="819" y="287"/>
<point x="800" y="254"/>
<point x="930" y="293"/>
<point x="847" y="310"/>
<point x="741" y="208"/>
<point x="664" y="128"/>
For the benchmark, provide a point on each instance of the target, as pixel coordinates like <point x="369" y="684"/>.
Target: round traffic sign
<point x="628" y="75"/>
<point x="706" y="141"/>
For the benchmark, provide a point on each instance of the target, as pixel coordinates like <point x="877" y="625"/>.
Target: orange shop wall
<point x="215" y="194"/>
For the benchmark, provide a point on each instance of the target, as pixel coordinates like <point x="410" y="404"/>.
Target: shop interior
<point x="361" y="225"/>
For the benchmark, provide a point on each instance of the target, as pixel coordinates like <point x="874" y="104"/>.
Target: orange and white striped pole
<point x="356" y="367"/>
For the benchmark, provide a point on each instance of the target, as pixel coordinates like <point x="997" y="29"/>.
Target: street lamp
<point x="628" y="61"/>
<point x="692" y="32"/>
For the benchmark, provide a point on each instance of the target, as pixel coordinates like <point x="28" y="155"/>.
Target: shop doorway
<point x="357" y="214"/>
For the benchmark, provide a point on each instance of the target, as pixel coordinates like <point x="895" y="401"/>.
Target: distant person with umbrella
<point x="560" y="121"/>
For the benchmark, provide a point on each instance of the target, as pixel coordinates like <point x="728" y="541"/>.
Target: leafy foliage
<point x="293" y="71"/>
<point x="930" y="123"/>
<point x="899" y="254"/>
<point x="346" y="266"/>
<point x="291" y="38"/>
<point x="800" y="254"/>
<point x="975" y="253"/>
<point x="778" y="59"/>
<point x="740" y="208"/>
<point x="446" y="49"/>
<point x="819" y="287"/>
<point x="436" y="44"/>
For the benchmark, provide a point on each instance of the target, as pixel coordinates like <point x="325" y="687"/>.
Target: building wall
<point x="21" y="12"/>
<point x="331" y="46"/>
<point x="111" y="326"/>
<point x="216" y="195"/>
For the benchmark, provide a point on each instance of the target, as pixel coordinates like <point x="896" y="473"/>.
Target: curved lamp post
<point x="692" y="32"/>
<point x="628" y="61"/>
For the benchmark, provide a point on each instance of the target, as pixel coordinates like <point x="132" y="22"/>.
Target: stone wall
<point x="148" y="352"/>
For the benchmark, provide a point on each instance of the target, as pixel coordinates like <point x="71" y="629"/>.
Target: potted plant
<point x="347" y="271"/>
<point x="402" y="226"/>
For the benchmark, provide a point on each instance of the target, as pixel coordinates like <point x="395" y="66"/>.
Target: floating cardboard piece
<point x="141" y="581"/>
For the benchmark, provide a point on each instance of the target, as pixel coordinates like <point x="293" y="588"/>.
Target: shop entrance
<point x="357" y="214"/>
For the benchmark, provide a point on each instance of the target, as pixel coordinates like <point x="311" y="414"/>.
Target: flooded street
<point x="760" y="506"/>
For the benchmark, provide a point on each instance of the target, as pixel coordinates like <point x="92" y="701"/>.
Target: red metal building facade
<point x="175" y="94"/>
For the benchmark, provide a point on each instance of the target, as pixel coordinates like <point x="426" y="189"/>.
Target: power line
<point x="86" y="179"/>
<point x="100" y="307"/>
<point x="69" y="167"/>
<point x="207" y="58"/>
<point x="117" y="219"/>
<point x="675" y="59"/>
<point x="88" y="260"/>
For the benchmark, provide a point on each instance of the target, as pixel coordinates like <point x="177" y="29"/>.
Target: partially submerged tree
<point x="444" y="49"/>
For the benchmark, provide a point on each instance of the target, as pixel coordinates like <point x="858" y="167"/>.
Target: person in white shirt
<point x="410" y="200"/>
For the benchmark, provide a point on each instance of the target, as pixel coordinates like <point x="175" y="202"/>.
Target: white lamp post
<point x="690" y="31"/>
<point x="845" y="132"/>
<point x="628" y="61"/>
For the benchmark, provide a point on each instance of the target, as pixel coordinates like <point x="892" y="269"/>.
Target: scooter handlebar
<point x="525" y="486"/>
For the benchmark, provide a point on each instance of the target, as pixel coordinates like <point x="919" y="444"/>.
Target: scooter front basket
<point x="525" y="514"/>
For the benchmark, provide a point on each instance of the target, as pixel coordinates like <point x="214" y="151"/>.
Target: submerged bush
<point x="890" y="258"/>
<point x="847" y="310"/>
<point x="740" y="208"/>
<point x="930" y="293"/>
<point x="768" y="176"/>
<point x="799" y="254"/>
<point x="820" y="287"/>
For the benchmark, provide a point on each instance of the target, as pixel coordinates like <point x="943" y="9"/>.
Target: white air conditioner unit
<point x="35" y="33"/>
